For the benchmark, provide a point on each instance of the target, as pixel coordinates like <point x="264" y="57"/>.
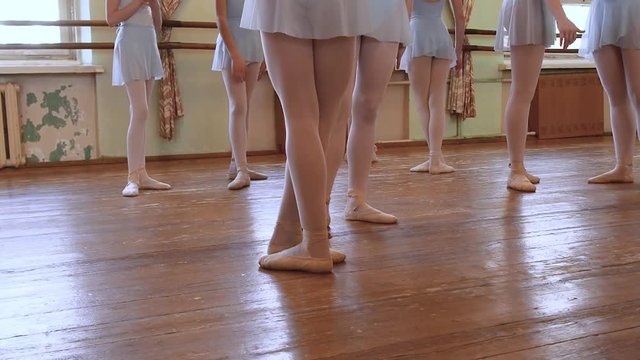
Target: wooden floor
<point x="472" y="271"/>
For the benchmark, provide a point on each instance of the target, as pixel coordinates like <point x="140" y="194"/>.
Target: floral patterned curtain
<point x="170" y="99"/>
<point x="462" y="92"/>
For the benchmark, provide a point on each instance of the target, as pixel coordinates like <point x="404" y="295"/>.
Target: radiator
<point x="11" y="153"/>
<point x="567" y="105"/>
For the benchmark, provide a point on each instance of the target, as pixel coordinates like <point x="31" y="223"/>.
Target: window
<point x="577" y="11"/>
<point x="37" y="10"/>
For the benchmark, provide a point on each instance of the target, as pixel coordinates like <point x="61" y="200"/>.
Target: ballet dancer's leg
<point x="526" y="62"/>
<point x="239" y="93"/>
<point x="427" y="76"/>
<point x="631" y="58"/>
<point x="334" y="140"/>
<point x="139" y="93"/>
<point x="288" y="231"/>
<point x="437" y="100"/>
<point x="302" y="84"/>
<point x="333" y="85"/>
<point x="250" y="82"/>
<point x="138" y="112"/>
<point x="420" y="80"/>
<point x="611" y="70"/>
<point x="375" y="65"/>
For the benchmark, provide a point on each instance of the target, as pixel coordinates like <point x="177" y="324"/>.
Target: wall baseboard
<point x="450" y="141"/>
<point x="122" y="159"/>
<point x="220" y="155"/>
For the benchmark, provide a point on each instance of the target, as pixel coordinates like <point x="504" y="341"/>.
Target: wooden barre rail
<point x="102" y="23"/>
<point x="175" y="45"/>
<point x="188" y="46"/>
<point x="490" y="49"/>
<point x="169" y="23"/>
<point x="103" y="46"/>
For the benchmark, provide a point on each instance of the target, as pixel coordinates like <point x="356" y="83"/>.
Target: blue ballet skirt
<point x="136" y="55"/>
<point x="309" y="19"/>
<point x="611" y="22"/>
<point x="247" y="41"/>
<point x="135" y="52"/>
<point x="525" y="22"/>
<point x="430" y="36"/>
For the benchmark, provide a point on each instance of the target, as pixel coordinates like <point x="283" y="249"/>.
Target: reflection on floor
<point x="471" y="271"/>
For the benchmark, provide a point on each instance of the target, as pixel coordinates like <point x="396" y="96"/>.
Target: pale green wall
<point x="203" y="129"/>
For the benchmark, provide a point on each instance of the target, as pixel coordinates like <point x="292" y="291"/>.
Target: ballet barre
<point x="181" y="45"/>
<point x="192" y="46"/>
<point x="103" y="46"/>
<point x="103" y="23"/>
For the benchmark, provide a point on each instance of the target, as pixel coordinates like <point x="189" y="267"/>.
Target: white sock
<point x="424" y="167"/>
<point x="140" y="180"/>
<point x="130" y="190"/>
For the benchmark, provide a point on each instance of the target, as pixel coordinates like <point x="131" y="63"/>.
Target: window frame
<point x="584" y="2"/>
<point x="67" y="34"/>
<point x="567" y="56"/>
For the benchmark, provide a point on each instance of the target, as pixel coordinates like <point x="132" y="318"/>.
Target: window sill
<point x="556" y="63"/>
<point x="14" y="67"/>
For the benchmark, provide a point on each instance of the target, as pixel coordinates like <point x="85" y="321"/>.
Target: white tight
<point x="428" y="78"/>
<point x="139" y="93"/>
<point x="526" y="62"/>
<point x="376" y="61"/>
<point x="619" y="71"/>
<point x="239" y="94"/>
<point x="310" y="86"/>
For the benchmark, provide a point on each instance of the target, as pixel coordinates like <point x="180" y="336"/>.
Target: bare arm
<point x="460" y="26"/>
<point x="409" y="6"/>
<point x="401" y="46"/>
<point x="225" y="31"/>
<point x="116" y="16"/>
<point x="459" y="21"/>
<point x="156" y="11"/>
<point x="567" y="28"/>
<point x="238" y="65"/>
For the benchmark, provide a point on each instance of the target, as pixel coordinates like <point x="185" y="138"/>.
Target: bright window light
<point x="30" y="10"/>
<point x="577" y="13"/>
